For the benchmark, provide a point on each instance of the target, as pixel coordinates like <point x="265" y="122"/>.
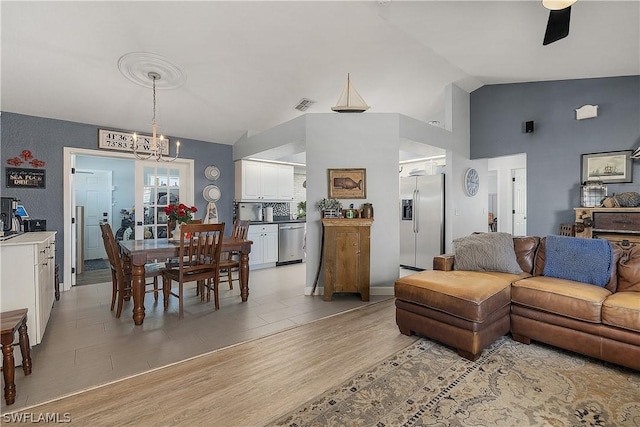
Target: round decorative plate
<point x="211" y="193"/>
<point x="212" y="173"/>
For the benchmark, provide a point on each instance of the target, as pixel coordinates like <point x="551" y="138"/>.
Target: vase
<point x="174" y="230"/>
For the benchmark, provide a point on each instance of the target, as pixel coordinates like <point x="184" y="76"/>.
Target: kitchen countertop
<point x="288" y="221"/>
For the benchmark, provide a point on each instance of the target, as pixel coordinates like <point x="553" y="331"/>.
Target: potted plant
<point x="302" y="209"/>
<point x="330" y="208"/>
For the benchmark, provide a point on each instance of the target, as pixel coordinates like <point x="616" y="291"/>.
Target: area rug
<point x="95" y="264"/>
<point x="511" y="384"/>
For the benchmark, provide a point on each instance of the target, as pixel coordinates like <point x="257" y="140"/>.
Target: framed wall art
<point x="123" y="141"/>
<point x="609" y="167"/>
<point x="347" y="183"/>
<point x="26" y="178"/>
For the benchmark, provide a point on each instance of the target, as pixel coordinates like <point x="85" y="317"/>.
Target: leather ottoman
<point x="467" y="310"/>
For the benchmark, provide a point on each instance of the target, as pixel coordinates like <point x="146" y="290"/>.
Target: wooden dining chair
<point x="198" y="261"/>
<point x="121" y="282"/>
<point x="567" y="230"/>
<point x="230" y="260"/>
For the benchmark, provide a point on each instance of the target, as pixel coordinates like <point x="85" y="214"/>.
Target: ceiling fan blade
<point x="557" y="26"/>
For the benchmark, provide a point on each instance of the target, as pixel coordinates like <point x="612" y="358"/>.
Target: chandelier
<point x="158" y="145"/>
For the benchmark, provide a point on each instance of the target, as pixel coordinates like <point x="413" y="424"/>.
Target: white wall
<point x="357" y="141"/>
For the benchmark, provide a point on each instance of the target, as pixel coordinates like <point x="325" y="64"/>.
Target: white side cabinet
<point x="264" y="251"/>
<point x="27" y="273"/>
<point x="263" y="181"/>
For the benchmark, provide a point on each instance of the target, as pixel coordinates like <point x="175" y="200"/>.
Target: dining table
<point x="136" y="253"/>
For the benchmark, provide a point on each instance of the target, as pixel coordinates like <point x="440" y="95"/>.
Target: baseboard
<point x="374" y="290"/>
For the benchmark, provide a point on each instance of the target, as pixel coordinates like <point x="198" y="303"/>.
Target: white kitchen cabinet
<point x="285" y="182"/>
<point x="27" y="272"/>
<point x="263" y="181"/>
<point x="264" y="251"/>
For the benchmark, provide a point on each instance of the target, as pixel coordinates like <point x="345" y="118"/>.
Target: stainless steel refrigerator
<point x="421" y="220"/>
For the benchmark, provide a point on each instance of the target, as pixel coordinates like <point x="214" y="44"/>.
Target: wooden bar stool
<point x="10" y="322"/>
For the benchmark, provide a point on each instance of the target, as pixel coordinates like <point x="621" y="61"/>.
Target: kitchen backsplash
<point x="279" y="208"/>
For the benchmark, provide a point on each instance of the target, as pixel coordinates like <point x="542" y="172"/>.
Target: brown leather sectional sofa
<point x="468" y="310"/>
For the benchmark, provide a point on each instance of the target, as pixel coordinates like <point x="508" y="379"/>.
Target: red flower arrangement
<point x="180" y="212"/>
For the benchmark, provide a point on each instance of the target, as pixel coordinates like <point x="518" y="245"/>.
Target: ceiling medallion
<point x="136" y="66"/>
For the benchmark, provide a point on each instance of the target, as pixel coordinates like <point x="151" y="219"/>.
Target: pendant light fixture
<point x="158" y="145"/>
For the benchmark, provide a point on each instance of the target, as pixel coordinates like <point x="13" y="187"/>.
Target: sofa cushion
<point x="470" y="295"/>
<point x="525" y="248"/>
<point x="629" y="270"/>
<point x="622" y="310"/>
<point x="541" y="254"/>
<point x="579" y="259"/>
<point x="486" y="252"/>
<point x="576" y="300"/>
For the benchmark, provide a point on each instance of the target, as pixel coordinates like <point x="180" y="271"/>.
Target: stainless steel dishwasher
<point x="291" y="242"/>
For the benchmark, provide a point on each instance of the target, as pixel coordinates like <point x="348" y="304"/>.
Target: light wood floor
<point x="91" y="277"/>
<point x="249" y="384"/>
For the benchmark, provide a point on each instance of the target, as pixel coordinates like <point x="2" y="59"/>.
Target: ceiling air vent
<point x="304" y="104"/>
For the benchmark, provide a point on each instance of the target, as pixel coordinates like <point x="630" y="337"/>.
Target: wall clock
<point x="471" y="182"/>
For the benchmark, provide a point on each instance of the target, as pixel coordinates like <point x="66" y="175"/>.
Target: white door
<point x="519" y="180"/>
<point x="93" y="191"/>
<point x="161" y="184"/>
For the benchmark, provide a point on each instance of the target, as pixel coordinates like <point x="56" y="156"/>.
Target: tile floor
<point x="85" y="345"/>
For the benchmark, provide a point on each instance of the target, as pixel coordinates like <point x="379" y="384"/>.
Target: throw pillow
<point x="629" y="269"/>
<point x="486" y="252"/>
<point x="579" y="259"/>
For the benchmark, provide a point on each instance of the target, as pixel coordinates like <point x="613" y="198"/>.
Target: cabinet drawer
<point x="43" y="252"/>
<point x="617" y="221"/>
<point x="263" y="228"/>
<point x="624" y="240"/>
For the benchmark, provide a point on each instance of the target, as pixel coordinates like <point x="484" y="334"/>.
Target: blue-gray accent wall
<point x="554" y="149"/>
<point x="46" y="139"/>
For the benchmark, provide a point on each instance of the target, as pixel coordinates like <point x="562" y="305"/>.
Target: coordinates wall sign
<point x="24" y="177"/>
<point x="123" y="141"/>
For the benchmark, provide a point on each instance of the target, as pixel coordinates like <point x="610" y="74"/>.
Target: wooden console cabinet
<point x="346" y="252"/>
<point x="618" y="225"/>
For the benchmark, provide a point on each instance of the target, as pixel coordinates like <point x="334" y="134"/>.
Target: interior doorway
<point x="122" y="193"/>
<point x="93" y="194"/>
<point x="519" y="200"/>
<point x="503" y="170"/>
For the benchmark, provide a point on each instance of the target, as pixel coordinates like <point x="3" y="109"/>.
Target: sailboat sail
<point x="350" y="100"/>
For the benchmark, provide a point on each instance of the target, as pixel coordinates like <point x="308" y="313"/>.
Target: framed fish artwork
<point x="347" y="183"/>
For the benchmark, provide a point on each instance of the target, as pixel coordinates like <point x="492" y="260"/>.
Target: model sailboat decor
<point x="350" y="100"/>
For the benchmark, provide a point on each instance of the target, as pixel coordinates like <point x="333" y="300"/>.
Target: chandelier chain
<point x="153" y="120"/>
<point x="156" y="148"/>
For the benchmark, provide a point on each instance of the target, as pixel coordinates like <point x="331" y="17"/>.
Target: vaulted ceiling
<point x="247" y="64"/>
